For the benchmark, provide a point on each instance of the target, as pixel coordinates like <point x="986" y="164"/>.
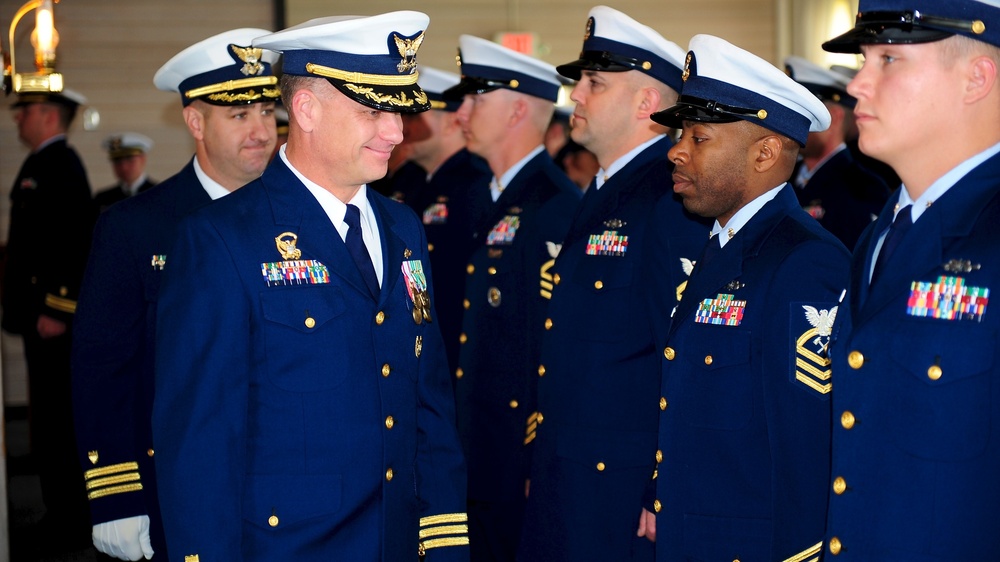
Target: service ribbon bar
<point x="947" y="299"/>
<point x="608" y="244"/>
<point x="295" y="272"/>
<point x="722" y="310"/>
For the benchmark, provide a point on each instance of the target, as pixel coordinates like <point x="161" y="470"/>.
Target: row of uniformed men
<point x="275" y="439"/>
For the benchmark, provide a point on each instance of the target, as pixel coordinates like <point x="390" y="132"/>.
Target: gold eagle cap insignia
<point x="251" y="59"/>
<point x="408" y="50"/>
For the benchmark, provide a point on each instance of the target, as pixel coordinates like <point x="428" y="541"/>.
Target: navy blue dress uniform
<point x="51" y="219"/>
<point x="507" y="287"/>
<point x="113" y="351"/>
<point x="125" y="146"/>
<point x="915" y="456"/>
<point x="744" y="407"/>
<point x="299" y="415"/>
<point x="593" y="434"/>
<point x="840" y="193"/>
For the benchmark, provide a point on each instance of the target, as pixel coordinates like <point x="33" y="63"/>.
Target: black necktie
<point x="356" y="246"/>
<point x="712" y="249"/>
<point x="900" y="225"/>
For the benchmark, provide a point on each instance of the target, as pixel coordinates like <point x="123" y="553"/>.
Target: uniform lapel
<point x="393" y="246"/>
<point x="295" y="210"/>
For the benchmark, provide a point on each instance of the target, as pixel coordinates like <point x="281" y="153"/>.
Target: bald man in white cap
<point x="744" y="404"/>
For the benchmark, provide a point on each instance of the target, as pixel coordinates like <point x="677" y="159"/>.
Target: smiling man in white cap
<point x="744" y="404"/>
<point x="915" y="448"/>
<point x="298" y="358"/>
<point x="598" y="350"/>
<point x="51" y="217"/>
<point x="127" y="152"/>
<point x="228" y="92"/>
<point x="833" y="186"/>
<point x="509" y="99"/>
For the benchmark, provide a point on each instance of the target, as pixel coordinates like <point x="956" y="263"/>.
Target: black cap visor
<point x="690" y="108"/>
<point x="391" y="99"/>
<point x="600" y="61"/>
<point x="897" y="28"/>
<point x="472" y="85"/>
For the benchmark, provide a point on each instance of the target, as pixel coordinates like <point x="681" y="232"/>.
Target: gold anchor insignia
<point x="286" y="246"/>
<point x="408" y="50"/>
<point x="251" y="57"/>
<point x="92" y="455"/>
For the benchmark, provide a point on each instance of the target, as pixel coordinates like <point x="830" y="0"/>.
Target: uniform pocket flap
<point x="276" y="500"/>
<point x="302" y="308"/>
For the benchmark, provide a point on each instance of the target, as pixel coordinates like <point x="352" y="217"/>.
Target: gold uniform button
<point x="847" y="419"/>
<point x="513" y="404"/>
<point x="389" y="422"/>
<point x="556" y="279"/>
<point x="470" y="269"/>
<point x="310" y="323"/>
<point x="598" y="285"/>
<point x="657" y="506"/>
<point x="541" y="370"/>
<point x="835" y="546"/>
<point x="272" y="520"/>
<point x="492" y="271"/>
<point x="600" y="467"/>
<point x="856" y="360"/>
<point x="463" y="338"/>
<point x="149" y="453"/>
<point x="669" y="353"/>
<point x="663" y="403"/>
<point x="379" y="318"/>
<point x="466" y="304"/>
<point x="386" y="370"/>
<point x="934" y="373"/>
<point x="708" y="359"/>
<point x="659" y="456"/>
<point x="63" y="291"/>
<point x="839" y="485"/>
<point x="388" y="475"/>
<point x="430" y="247"/>
<point x="459" y="373"/>
<point x="548" y="323"/>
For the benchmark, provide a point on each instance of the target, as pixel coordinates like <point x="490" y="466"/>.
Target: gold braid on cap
<point x="361" y="77"/>
<point x="231" y="85"/>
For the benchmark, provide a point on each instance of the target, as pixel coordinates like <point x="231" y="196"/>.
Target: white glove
<point x="126" y="539"/>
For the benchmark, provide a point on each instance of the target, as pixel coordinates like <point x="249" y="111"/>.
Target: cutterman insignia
<point x="286" y="246"/>
<point x="615" y="223"/>
<point x="961" y="266"/>
<point x="734" y="285"/>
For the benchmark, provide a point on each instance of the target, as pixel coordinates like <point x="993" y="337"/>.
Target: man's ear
<point x="195" y="121"/>
<point x="769" y="151"/>
<point x="649" y="103"/>
<point x="982" y="78"/>
<point x="306" y="108"/>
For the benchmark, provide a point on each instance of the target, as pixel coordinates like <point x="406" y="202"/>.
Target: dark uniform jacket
<point x="451" y="205"/>
<point x="498" y="361"/>
<point x="594" y="435"/>
<point x="113" y="349"/>
<point x="744" y="406"/>
<point x="111" y="195"/>
<point x="296" y="416"/>
<point x="843" y="196"/>
<point x="915" y="454"/>
<point x="51" y="220"/>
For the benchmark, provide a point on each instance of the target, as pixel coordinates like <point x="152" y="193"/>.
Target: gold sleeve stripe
<point x="810" y="554"/>
<point x="448" y="541"/>
<point x="546" y="294"/>
<point x="191" y="558"/>
<point x="61" y="304"/>
<point x="529" y="438"/>
<point x="444" y="530"/>
<point x="115" y="490"/>
<point x="444" y="518"/>
<point x="111" y="469"/>
<point x="113" y="480"/>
